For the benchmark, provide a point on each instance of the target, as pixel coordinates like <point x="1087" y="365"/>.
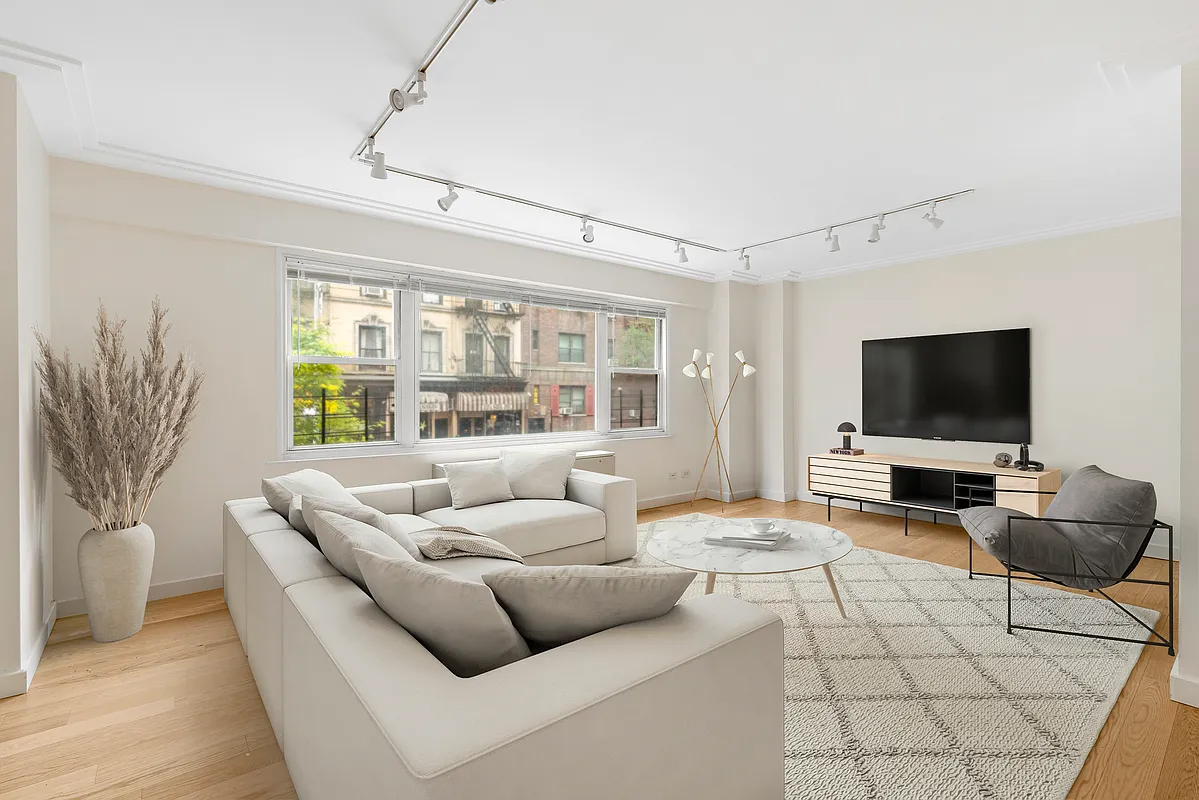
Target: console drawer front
<point x="842" y="490"/>
<point x="859" y="466"/>
<point x="853" y="481"/>
<point x="1015" y="482"/>
<point x="837" y="474"/>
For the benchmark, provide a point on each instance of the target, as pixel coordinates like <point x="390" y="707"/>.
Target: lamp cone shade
<point x="748" y="369"/>
<point x="689" y="370"/>
<point x="707" y="373"/>
<point x="696" y="355"/>
<point x="740" y="356"/>
<point x="709" y="357"/>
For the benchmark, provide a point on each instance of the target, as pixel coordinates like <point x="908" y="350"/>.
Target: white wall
<point x="1105" y="323"/>
<point x="26" y="593"/>
<point x="732" y="326"/>
<point x="210" y="254"/>
<point x="1184" y="679"/>
<point x="775" y="387"/>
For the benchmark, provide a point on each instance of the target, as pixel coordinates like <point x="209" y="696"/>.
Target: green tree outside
<point x="635" y="344"/>
<point x="343" y="420"/>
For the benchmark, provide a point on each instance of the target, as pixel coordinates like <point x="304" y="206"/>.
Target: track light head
<point x="446" y="202"/>
<point x="588" y="231"/>
<point x="744" y="259"/>
<point x="875" y="236"/>
<point x="398" y="99"/>
<point x="931" y="217"/>
<point x="834" y="241"/>
<point x="882" y="222"/>
<point x="378" y="161"/>
<point x="419" y="94"/>
<point x="681" y="252"/>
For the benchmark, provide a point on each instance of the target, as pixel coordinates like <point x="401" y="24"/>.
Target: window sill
<point x="383" y="450"/>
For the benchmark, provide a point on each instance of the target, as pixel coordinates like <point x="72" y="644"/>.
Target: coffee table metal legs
<point x="710" y="583"/>
<point x="828" y="576"/>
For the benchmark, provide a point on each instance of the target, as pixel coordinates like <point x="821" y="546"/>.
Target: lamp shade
<point x="696" y="355"/>
<point x="846" y="427"/>
<point x="706" y="373"/>
<point x="740" y="356"/>
<point x="709" y="357"/>
<point x="689" y="370"/>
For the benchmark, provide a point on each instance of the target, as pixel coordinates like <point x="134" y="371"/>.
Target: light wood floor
<point x="173" y="712"/>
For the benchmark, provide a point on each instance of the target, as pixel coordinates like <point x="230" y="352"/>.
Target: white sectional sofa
<point x="688" y="705"/>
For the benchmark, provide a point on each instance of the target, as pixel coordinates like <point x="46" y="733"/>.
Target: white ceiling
<point x="726" y="123"/>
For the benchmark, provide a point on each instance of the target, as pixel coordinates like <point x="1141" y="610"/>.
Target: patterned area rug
<point x="921" y="693"/>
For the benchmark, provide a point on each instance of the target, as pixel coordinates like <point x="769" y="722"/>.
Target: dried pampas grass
<point x="116" y="428"/>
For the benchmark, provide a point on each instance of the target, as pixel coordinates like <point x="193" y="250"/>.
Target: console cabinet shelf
<point x="930" y="484"/>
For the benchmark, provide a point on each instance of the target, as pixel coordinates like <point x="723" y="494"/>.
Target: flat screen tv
<point x="959" y="386"/>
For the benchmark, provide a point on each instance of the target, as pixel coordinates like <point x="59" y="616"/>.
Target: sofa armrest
<point x="617" y="498"/>
<point x="390" y="498"/>
<point x="430" y="494"/>
<point x="649" y="695"/>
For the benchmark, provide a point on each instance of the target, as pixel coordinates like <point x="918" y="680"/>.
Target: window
<point x="481" y="370"/>
<point x="572" y="348"/>
<point x="430" y="351"/>
<point x="341" y="388"/>
<point x="572" y="400"/>
<point x="635" y="360"/>
<point x="372" y="341"/>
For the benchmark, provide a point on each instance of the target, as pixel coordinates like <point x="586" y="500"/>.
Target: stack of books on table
<point x="738" y="537"/>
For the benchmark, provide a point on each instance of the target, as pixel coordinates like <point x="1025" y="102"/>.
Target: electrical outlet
<point x="673" y="475"/>
<point x="686" y="473"/>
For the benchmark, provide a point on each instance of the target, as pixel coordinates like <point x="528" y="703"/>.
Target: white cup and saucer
<point x="763" y="527"/>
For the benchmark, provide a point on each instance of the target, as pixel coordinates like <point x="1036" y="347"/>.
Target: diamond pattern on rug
<point x="921" y="693"/>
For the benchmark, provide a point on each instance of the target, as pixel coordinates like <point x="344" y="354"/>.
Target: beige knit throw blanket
<point x="454" y="542"/>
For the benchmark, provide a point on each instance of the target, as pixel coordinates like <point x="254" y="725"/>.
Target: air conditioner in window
<point x="565" y="412"/>
<point x="372" y="291"/>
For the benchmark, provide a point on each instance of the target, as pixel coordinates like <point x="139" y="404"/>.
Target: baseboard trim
<point x="158" y="591"/>
<point x="1183" y="689"/>
<point x="778" y="497"/>
<point x="13" y="684"/>
<point x="1159" y="550"/>
<point x="39" y="647"/>
<point x="685" y="497"/>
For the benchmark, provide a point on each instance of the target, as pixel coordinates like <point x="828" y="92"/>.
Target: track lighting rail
<point x="401" y="98"/>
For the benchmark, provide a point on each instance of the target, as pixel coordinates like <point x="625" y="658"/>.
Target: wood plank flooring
<point x="173" y="712"/>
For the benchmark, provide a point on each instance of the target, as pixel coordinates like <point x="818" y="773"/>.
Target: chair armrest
<point x="617" y="498"/>
<point x="390" y="498"/>
<point x="429" y="494"/>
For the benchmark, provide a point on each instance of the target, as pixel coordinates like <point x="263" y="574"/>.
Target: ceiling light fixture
<point x="446" y="202"/>
<point x="834" y="241"/>
<point x="413" y="92"/>
<point x="377" y="161"/>
<point x="931" y="217"/>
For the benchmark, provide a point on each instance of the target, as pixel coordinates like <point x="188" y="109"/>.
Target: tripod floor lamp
<point x="704" y="375"/>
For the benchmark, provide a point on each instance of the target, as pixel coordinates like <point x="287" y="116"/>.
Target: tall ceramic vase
<point x="115" y="569"/>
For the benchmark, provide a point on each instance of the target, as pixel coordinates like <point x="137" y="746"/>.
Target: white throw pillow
<point x="538" y="473"/>
<point x="555" y="605"/>
<point x="359" y="511"/>
<point x="339" y="536"/>
<point x="477" y="483"/>
<point x="458" y="620"/>
<point x="278" y="491"/>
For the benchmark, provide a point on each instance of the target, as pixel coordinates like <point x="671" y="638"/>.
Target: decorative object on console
<point x="114" y="430"/>
<point x="1003" y="459"/>
<point x="693" y="370"/>
<point x="1026" y="464"/>
<point x="846" y="448"/>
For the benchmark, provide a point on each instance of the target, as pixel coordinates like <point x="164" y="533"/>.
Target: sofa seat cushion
<point x="528" y="527"/>
<point x="410" y="523"/>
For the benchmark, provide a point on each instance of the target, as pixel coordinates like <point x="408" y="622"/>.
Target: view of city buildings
<point x="487" y="368"/>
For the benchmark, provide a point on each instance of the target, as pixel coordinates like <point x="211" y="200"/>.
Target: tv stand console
<point x="929" y="484"/>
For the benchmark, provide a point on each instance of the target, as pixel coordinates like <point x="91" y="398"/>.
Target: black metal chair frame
<point x="1048" y="577"/>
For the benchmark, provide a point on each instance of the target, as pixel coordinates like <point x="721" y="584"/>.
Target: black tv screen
<point x="961" y="386"/>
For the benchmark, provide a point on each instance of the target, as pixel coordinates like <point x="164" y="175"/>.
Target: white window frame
<point x="660" y="351"/>
<point x="406" y="344"/>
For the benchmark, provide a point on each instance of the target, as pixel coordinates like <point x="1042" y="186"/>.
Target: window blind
<point x="472" y="288"/>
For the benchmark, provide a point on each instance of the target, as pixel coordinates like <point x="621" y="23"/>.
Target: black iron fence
<point x="637" y="409"/>
<point x="335" y="418"/>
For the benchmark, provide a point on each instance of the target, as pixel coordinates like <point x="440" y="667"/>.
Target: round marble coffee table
<point x="680" y="543"/>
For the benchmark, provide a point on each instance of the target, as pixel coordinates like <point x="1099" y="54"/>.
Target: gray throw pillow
<point x="538" y="473"/>
<point x="555" y="605"/>
<point x="359" y="511"/>
<point x="456" y="619"/>
<point x="278" y="491"/>
<point x="1092" y="494"/>
<point x="477" y="483"/>
<point x="339" y="536"/>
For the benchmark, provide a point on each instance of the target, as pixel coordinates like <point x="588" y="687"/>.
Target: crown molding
<point x="85" y="144"/>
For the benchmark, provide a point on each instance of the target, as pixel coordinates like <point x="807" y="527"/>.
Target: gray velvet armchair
<point x="1092" y="536"/>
